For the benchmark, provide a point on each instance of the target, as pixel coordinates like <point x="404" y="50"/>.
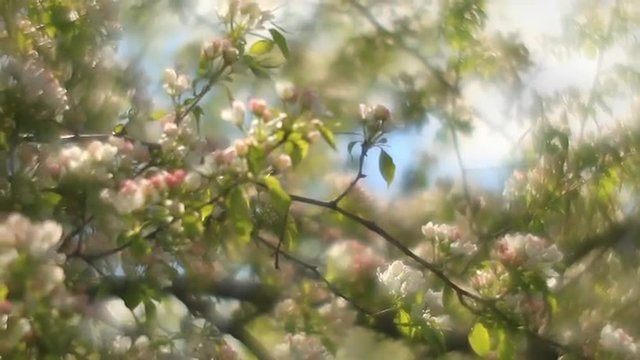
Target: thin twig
<point x="364" y="148"/>
<point x="181" y="115"/>
<point x="314" y="270"/>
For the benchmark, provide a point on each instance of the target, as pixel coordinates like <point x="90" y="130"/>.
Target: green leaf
<point x="351" y="145"/>
<point x="132" y="296"/>
<point x="140" y="246"/>
<point x="506" y="348"/>
<point x="4" y="291"/>
<point x="479" y="340"/>
<point x="297" y="148"/>
<point x="280" y="197"/>
<point x="240" y="212"/>
<point x="255" y="159"/>
<point x="261" y="47"/>
<point x="290" y="233"/>
<point x="119" y="130"/>
<point x="150" y="311"/>
<point x="405" y="323"/>
<point x="387" y="167"/>
<point x="327" y="135"/>
<point x="206" y="211"/>
<point x="193" y="226"/>
<point x="258" y="71"/>
<point x="279" y="39"/>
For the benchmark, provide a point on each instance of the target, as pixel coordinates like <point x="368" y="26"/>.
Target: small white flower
<point x="463" y="248"/>
<point x="440" y="322"/>
<point x="434" y="299"/>
<point x="285" y="90"/>
<point x="283" y="162"/>
<point x="43" y="238"/>
<point x="617" y="340"/>
<point x="235" y="114"/>
<point x="121" y="344"/>
<point x="175" y="84"/>
<point x="401" y="280"/>
<point x="192" y="181"/>
<point x="301" y="347"/>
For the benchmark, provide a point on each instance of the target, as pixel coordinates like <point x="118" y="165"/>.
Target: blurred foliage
<point x="149" y="228"/>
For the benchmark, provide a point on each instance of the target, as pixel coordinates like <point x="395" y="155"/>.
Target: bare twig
<point x="364" y="148"/>
<point x="317" y="274"/>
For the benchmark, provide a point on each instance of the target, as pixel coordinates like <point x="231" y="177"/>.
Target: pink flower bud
<point x="241" y="147"/>
<point x="380" y="112"/>
<point x="158" y="181"/>
<point x="283" y="162"/>
<point x="5" y="307"/>
<point x="212" y="49"/>
<point x="257" y="106"/>
<point x="175" y="178"/>
<point x="128" y="187"/>
<point x="170" y="129"/>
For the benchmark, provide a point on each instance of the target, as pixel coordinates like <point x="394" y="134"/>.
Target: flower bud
<point x="283" y="162"/>
<point x="286" y="91"/>
<point x="234" y="115"/>
<point x="241" y="147"/>
<point x="257" y="106"/>
<point x="192" y="181"/>
<point x="230" y="55"/>
<point x="212" y="49"/>
<point x="381" y="113"/>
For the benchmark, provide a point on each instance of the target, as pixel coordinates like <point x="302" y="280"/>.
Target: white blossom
<point x="440" y="231"/>
<point x="175" y="84"/>
<point x="401" y="280"/>
<point x="617" y="341"/>
<point x="352" y="258"/>
<point x="440" y="322"/>
<point x="285" y="90"/>
<point x="235" y="114"/>
<point x="301" y="347"/>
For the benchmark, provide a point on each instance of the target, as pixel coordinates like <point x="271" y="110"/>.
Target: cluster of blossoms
<point x="219" y="48"/>
<point x="375" y="120"/>
<point x="618" y="341"/>
<point x="30" y="273"/>
<point x="175" y="139"/>
<point x="40" y="85"/>
<point x="137" y="193"/>
<point x="437" y="322"/>
<point x="175" y="84"/>
<point x="531" y="307"/>
<point x="338" y="313"/>
<point x="301" y="346"/>
<point x="264" y="130"/>
<point x="248" y="13"/>
<point x="351" y="258"/>
<point x="448" y="239"/>
<point x="94" y="160"/>
<point x="401" y="280"/>
<point x="528" y="251"/>
<point x="491" y="280"/>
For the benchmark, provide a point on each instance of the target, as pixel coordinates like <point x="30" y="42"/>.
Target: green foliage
<point x="132" y="228"/>
<point x="479" y="340"/>
<point x="387" y="167"/>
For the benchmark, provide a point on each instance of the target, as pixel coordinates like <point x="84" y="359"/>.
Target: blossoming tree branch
<point x="217" y="226"/>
